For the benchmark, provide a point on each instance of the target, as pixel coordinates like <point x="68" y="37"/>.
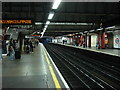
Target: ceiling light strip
<point x="47" y="22"/>
<point x="56" y="4"/>
<point x="51" y="14"/>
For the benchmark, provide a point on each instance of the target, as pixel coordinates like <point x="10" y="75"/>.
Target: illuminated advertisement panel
<point x="116" y="40"/>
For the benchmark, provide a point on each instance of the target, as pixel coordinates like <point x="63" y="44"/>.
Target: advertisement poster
<point x="116" y="41"/>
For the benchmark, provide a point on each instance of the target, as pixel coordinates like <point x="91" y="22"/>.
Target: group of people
<point x="13" y="51"/>
<point x="29" y="45"/>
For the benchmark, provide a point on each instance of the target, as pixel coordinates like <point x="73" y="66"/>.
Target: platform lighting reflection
<point x="56" y="4"/>
<point x="51" y="14"/>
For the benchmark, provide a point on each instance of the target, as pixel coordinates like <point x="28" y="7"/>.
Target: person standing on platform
<point x="37" y="42"/>
<point x="98" y="45"/>
<point x="11" y="42"/>
<point x="14" y="44"/>
<point x="11" y="52"/>
<point x="83" y="44"/>
<point x="31" y="46"/>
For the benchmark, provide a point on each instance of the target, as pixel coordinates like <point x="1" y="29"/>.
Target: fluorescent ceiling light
<point x="38" y="23"/>
<point x="91" y="30"/>
<point x="110" y="27"/>
<point x="80" y="32"/>
<point x="116" y="30"/>
<point x="100" y="29"/>
<point x="48" y="22"/>
<point x="38" y="32"/>
<point x="7" y="29"/>
<point x="41" y="35"/>
<point x="70" y="23"/>
<point x="56" y="4"/>
<point x="85" y="31"/>
<point x="42" y="32"/>
<point x="44" y="29"/>
<point x="51" y="14"/>
<point x="46" y="26"/>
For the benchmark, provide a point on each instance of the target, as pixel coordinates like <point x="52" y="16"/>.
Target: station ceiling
<point x="70" y="17"/>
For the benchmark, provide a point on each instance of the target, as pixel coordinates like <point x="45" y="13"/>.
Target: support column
<point x="73" y="40"/>
<point x="3" y="33"/>
<point x="20" y="39"/>
<point x="99" y="40"/>
<point x="89" y="41"/>
<point x="103" y="40"/>
<point x="83" y="41"/>
<point x="86" y="40"/>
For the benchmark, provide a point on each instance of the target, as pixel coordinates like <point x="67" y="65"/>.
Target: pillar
<point x="20" y="39"/>
<point x="86" y="40"/>
<point x="73" y="40"/>
<point x="103" y="40"/>
<point x="80" y="39"/>
<point x="89" y="41"/>
<point x="3" y="33"/>
<point x="99" y="39"/>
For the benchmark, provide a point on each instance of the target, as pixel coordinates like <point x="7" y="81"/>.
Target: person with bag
<point x="27" y="49"/>
<point x="11" y="53"/>
<point x="17" y="54"/>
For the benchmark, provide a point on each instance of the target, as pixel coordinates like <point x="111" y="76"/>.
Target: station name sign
<point x="15" y="21"/>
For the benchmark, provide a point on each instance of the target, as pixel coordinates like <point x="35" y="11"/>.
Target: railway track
<point x="84" y="72"/>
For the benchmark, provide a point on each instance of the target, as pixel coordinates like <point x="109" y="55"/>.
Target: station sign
<point x="10" y="22"/>
<point x="117" y="40"/>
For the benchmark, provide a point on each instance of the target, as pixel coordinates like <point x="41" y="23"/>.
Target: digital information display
<point x="15" y="22"/>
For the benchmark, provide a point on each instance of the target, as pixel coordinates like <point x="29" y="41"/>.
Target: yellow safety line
<point x="47" y="58"/>
<point x="56" y="82"/>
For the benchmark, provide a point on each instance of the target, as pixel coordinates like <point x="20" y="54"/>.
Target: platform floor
<point x="31" y="71"/>
<point x="114" y="52"/>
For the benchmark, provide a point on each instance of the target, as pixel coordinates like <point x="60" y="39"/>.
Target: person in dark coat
<point x="31" y="46"/>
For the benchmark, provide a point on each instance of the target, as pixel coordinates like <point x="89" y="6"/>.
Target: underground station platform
<point x="60" y="45"/>
<point x="64" y="67"/>
<point x="36" y="70"/>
